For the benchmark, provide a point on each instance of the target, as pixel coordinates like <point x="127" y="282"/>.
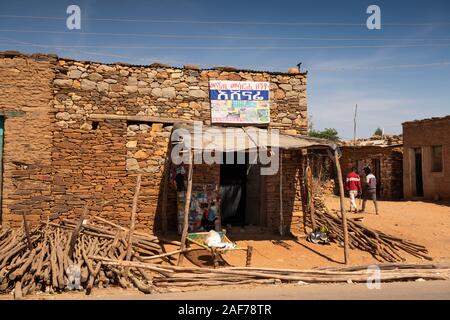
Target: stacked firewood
<point x="94" y="253"/>
<point x="382" y="246"/>
<point x="54" y="257"/>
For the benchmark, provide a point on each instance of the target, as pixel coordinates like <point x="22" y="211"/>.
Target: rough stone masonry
<point x="58" y="158"/>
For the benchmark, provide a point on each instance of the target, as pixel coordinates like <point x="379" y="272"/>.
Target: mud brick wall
<point x="424" y="134"/>
<point x="391" y="166"/>
<point x="26" y="103"/>
<point x="292" y="194"/>
<point x="58" y="160"/>
<point x="88" y="170"/>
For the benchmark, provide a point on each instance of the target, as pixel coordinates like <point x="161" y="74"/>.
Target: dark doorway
<point x="418" y="166"/>
<point x="376" y="170"/>
<point x="233" y="182"/>
<point x="240" y="192"/>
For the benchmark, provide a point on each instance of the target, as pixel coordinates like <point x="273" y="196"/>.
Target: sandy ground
<point x="425" y="223"/>
<point x="421" y="222"/>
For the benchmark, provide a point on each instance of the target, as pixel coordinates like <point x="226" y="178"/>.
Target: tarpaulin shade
<point x="233" y="139"/>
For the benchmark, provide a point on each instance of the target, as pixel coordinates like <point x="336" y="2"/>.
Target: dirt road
<point x="428" y="290"/>
<point x="399" y="290"/>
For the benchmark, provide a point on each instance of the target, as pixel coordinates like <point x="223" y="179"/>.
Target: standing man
<point x="353" y="185"/>
<point x="370" y="190"/>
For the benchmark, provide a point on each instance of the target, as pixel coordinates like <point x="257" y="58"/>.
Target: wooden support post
<point x="304" y="193"/>
<point x="165" y="191"/>
<point x="187" y="204"/>
<point x="248" y="260"/>
<point x="343" y="215"/>
<point x="76" y="232"/>
<point x="133" y="216"/>
<point x="281" y="194"/>
<point x="215" y="257"/>
<point x="312" y="211"/>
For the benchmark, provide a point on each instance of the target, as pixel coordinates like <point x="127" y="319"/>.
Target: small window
<point x="436" y="158"/>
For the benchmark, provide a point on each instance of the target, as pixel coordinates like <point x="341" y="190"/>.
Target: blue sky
<point x="398" y="73"/>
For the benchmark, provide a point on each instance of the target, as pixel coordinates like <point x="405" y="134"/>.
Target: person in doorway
<point x="370" y="190"/>
<point x="353" y="186"/>
<point x="209" y="217"/>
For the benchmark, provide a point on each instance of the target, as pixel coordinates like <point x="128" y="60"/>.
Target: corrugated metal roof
<point x="231" y="139"/>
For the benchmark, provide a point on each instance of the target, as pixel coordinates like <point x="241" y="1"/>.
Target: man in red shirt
<point x="353" y="185"/>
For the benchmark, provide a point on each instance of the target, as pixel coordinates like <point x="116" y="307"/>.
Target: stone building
<point x="426" y="165"/>
<point x="76" y="133"/>
<point x="384" y="156"/>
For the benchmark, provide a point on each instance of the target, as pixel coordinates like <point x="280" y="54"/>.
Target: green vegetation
<point x="327" y="133"/>
<point x="378" y="132"/>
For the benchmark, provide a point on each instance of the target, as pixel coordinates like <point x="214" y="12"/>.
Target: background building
<point x="426" y="164"/>
<point x="384" y="156"/>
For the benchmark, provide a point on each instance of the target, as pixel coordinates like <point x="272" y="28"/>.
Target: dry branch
<point x="382" y="246"/>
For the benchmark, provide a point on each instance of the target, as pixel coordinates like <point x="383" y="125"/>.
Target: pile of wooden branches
<point x="91" y="253"/>
<point x="54" y="257"/>
<point x="382" y="246"/>
<point x="175" y="276"/>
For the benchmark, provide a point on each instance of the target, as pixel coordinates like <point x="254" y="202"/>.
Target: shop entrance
<point x="376" y="170"/>
<point x="240" y="194"/>
<point x="418" y="172"/>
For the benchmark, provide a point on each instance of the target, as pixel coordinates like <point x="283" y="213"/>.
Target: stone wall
<point x="88" y="88"/>
<point x="156" y="91"/>
<point x="391" y="166"/>
<point x="80" y="161"/>
<point x="26" y="104"/>
<point x="424" y="134"/>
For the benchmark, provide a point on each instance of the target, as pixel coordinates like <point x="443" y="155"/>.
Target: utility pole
<point x="354" y="125"/>
<point x="354" y="132"/>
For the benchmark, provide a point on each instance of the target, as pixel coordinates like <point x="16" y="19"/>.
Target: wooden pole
<point x="354" y="125"/>
<point x="133" y="216"/>
<point x="165" y="254"/>
<point x="76" y="232"/>
<point x="165" y="192"/>
<point x="354" y="133"/>
<point x="187" y="203"/>
<point x="281" y="194"/>
<point x="304" y="194"/>
<point x="343" y="215"/>
<point x="312" y="211"/>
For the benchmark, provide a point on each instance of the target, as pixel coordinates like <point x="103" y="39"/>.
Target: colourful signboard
<point x="244" y="102"/>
